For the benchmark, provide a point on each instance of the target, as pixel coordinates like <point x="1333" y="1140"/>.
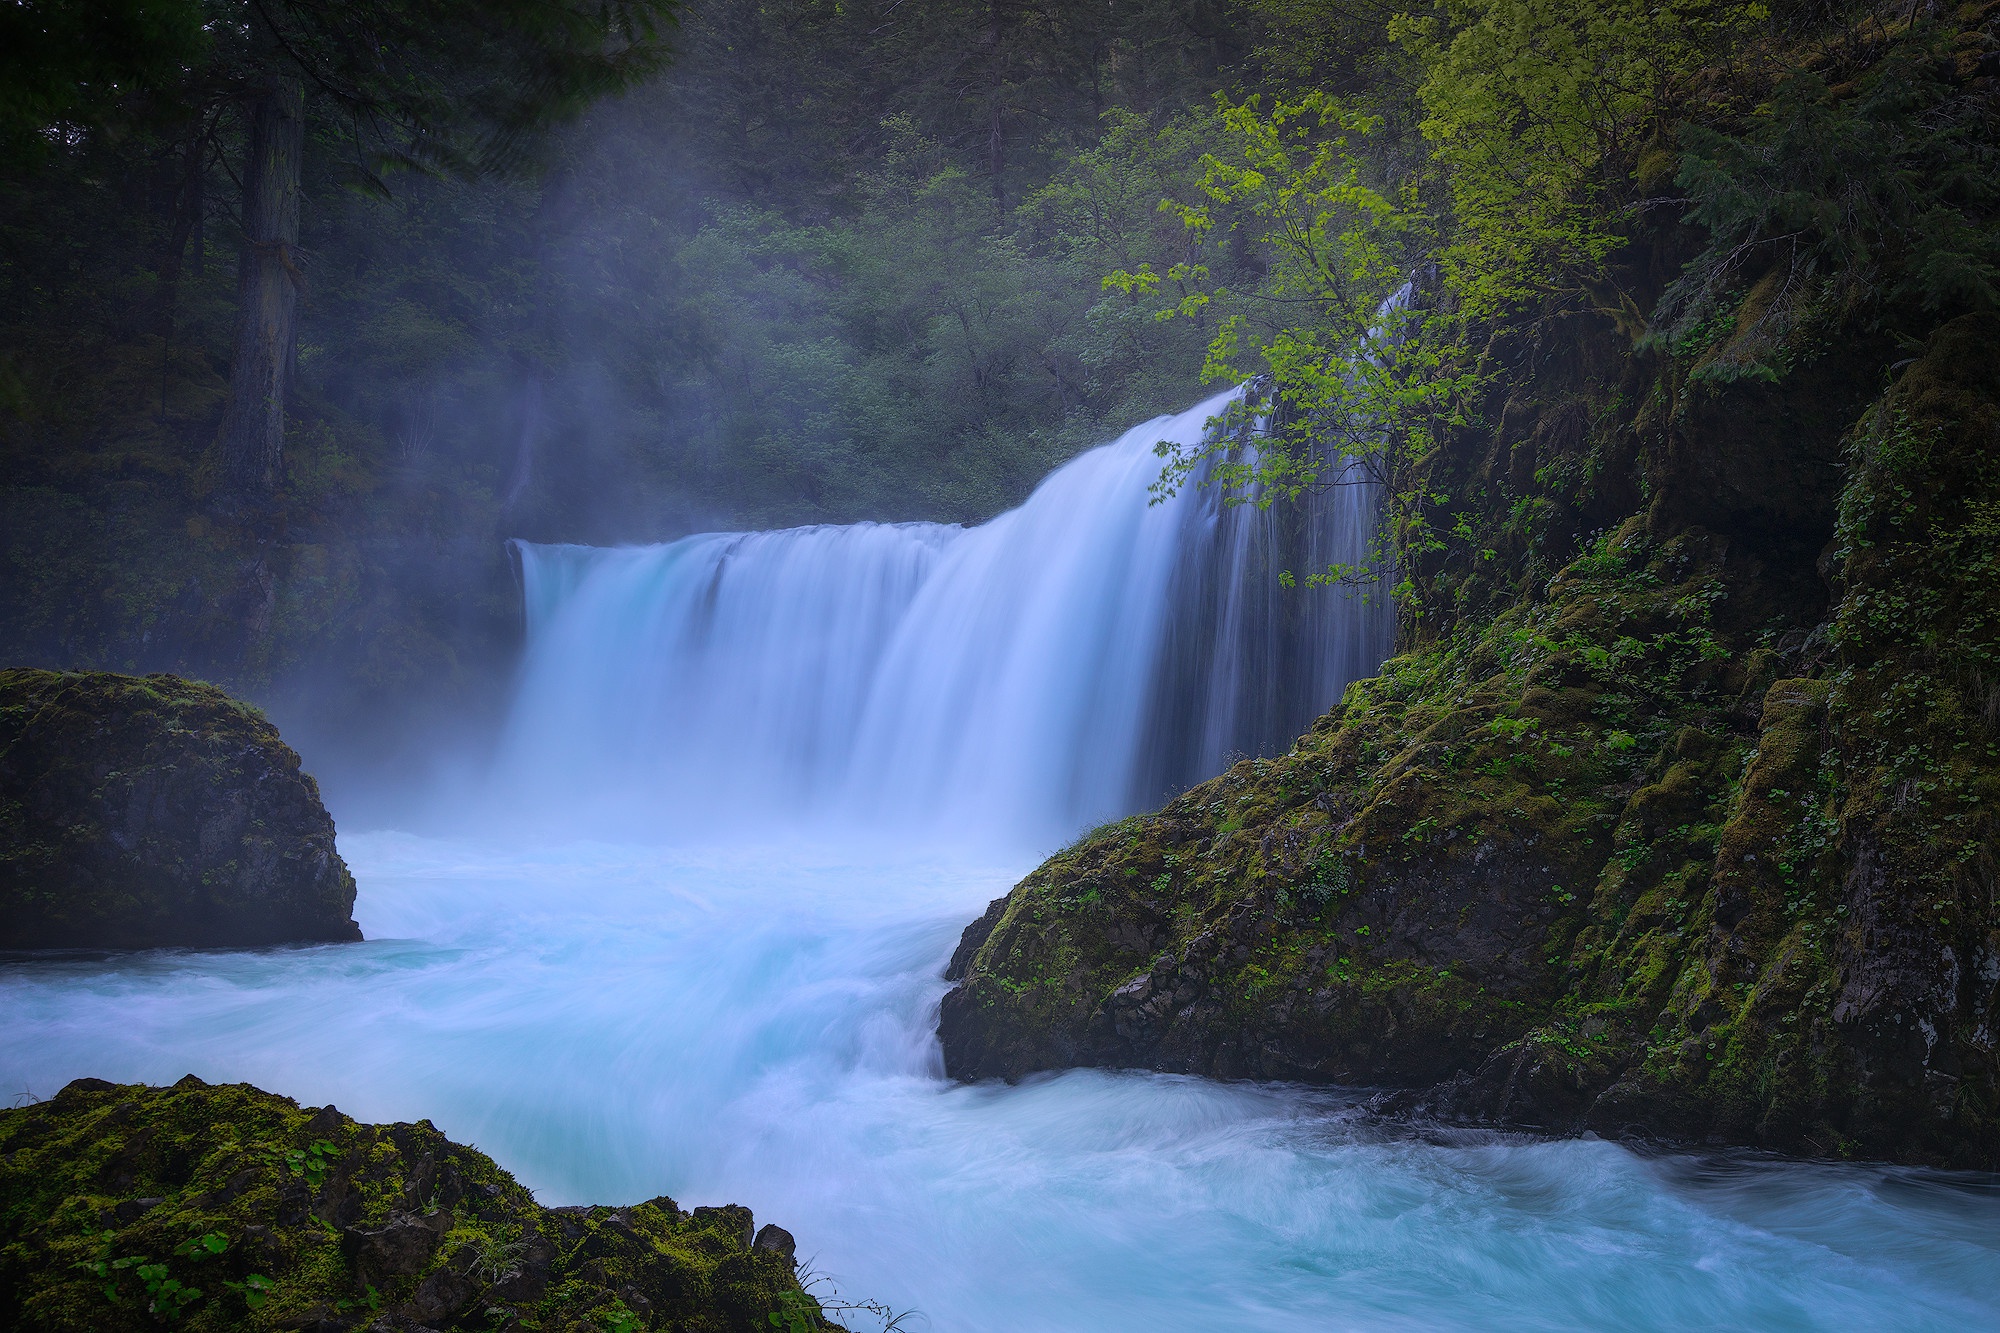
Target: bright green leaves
<point x="1335" y="244"/>
<point x="1360" y="387"/>
<point x="1335" y="239"/>
<point x="1526" y="104"/>
<point x="166" y="1296"/>
<point x="255" y="1290"/>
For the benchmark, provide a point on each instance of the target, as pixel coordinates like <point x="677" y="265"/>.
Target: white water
<point x="1085" y="655"/>
<point x="614" y="1023"/>
<point x="755" y="1025"/>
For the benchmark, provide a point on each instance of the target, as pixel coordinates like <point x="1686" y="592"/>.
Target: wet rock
<point x="444" y="1294"/>
<point x="402" y="1247"/>
<point x="146" y="811"/>
<point x="778" y="1241"/>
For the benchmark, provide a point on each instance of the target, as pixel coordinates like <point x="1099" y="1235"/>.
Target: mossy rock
<point x="224" y="1207"/>
<point x="139" y="811"/>
<point x="1659" y="846"/>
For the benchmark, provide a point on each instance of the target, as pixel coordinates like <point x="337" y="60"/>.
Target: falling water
<point x="1074" y="659"/>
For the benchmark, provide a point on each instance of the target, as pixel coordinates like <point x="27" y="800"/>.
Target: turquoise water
<point x="612" y="1023"/>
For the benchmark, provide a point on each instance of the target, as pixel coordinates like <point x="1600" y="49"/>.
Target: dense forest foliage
<point x="891" y="260"/>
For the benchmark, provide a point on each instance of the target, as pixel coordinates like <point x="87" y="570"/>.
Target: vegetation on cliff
<point x="1676" y="814"/>
<point x="144" y="811"/>
<point x="225" y="1207"/>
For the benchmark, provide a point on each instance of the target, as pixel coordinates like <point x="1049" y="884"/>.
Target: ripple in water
<point x="613" y="1023"/>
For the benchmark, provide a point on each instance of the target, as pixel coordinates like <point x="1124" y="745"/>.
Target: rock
<point x="1619" y="852"/>
<point x="442" y="1295"/>
<point x="129" y="1211"/>
<point x="974" y="936"/>
<point x="777" y="1240"/>
<point x="494" y="1260"/>
<point x="401" y="1247"/>
<point x="137" y="812"/>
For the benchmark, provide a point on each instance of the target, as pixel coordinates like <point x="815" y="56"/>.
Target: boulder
<point x="247" y="1211"/>
<point x="145" y="811"/>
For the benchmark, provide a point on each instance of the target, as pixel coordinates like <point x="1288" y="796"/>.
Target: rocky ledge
<point x="211" y="1208"/>
<point x="145" y="811"/>
<point x="1675" y="844"/>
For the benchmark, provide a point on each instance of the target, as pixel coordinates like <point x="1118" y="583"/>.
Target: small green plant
<point x="255" y="1290"/>
<point x="794" y="1313"/>
<point x="620" y="1319"/>
<point x="369" y="1300"/>
<point x="166" y="1295"/>
<point x="313" y="1162"/>
<point x="201" y="1247"/>
<point x="499" y="1257"/>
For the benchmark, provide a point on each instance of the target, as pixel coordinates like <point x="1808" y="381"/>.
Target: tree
<point x="72" y="63"/>
<point x="457" y="86"/>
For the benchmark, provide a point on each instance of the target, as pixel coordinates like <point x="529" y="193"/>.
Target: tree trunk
<point x="267" y="292"/>
<point x="187" y="226"/>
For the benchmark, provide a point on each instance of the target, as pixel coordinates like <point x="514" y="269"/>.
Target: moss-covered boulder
<point x="1673" y="842"/>
<point x="210" y="1208"/>
<point x="144" y="811"/>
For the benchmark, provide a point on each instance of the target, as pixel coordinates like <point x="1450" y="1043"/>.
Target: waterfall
<point x="1083" y="656"/>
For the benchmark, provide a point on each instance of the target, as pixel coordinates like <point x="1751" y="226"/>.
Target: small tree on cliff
<point x="460" y="86"/>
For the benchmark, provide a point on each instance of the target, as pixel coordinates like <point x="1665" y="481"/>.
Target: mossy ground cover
<point x="224" y="1207"/>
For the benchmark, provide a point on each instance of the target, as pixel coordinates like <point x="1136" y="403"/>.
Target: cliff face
<point x="144" y="811"/>
<point x="1695" y="839"/>
<point x="227" y="1208"/>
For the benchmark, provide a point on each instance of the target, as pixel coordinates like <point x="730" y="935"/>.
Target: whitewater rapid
<point x="615" y="1022"/>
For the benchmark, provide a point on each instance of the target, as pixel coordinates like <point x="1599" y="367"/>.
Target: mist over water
<point x="1086" y="655"/>
<point x="734" y="1000"/>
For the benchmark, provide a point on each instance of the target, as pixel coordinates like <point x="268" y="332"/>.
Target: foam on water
<point x="613" y="1023"/>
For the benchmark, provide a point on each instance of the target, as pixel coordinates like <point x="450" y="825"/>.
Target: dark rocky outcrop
<point x="211" y="1208"/>
<point x="144" y="811"/>
<point x="1693" y="832"/>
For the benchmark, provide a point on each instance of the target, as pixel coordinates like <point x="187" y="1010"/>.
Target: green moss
<point x="261" y="1215"/>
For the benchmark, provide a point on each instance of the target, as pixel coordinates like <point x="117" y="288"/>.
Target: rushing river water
<point x="613" y="1023"/>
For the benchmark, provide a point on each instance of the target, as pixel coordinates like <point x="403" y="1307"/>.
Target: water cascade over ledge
<point x="1077" y="658"/>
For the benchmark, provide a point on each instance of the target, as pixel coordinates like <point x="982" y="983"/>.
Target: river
<point x="615" y="1022"/>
